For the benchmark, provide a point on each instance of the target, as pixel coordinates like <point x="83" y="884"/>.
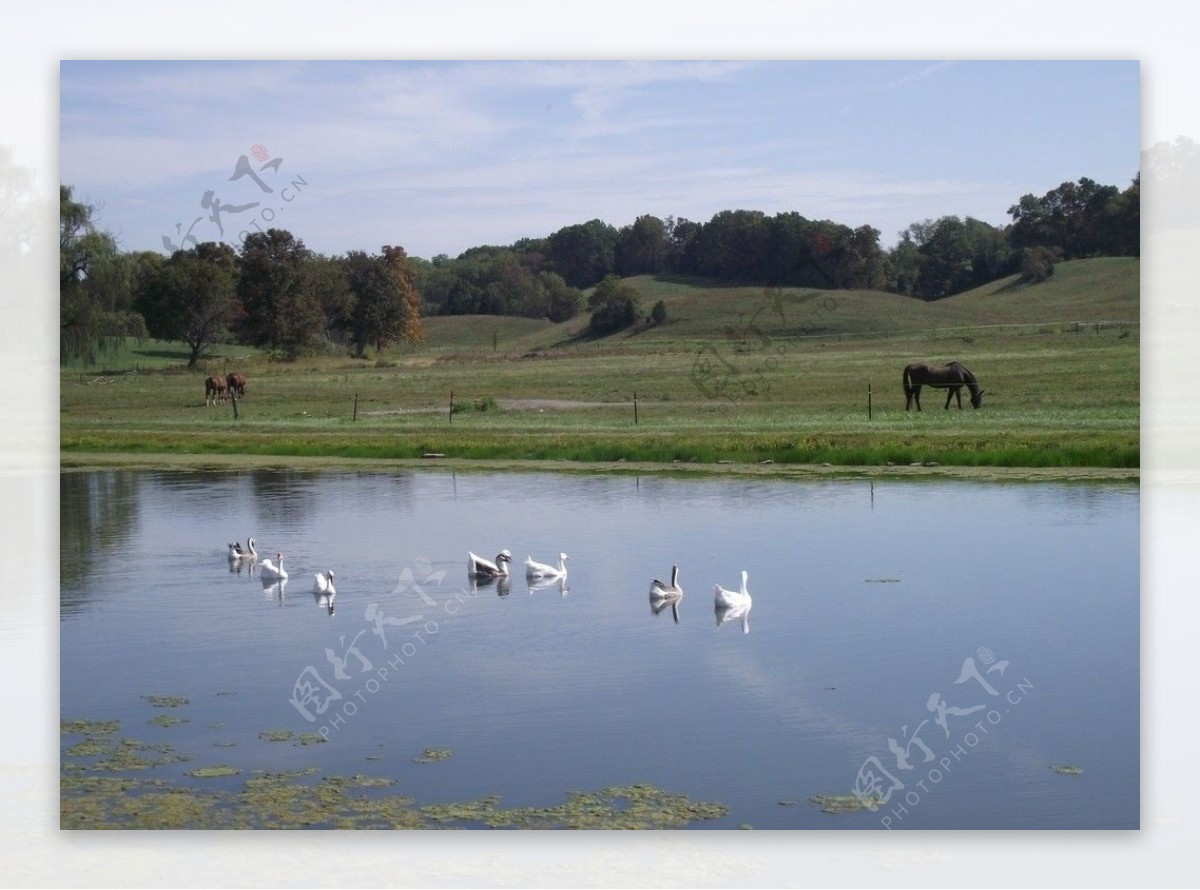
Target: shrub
<point x="1037" y="264"/>
<point x="615" y="306"/>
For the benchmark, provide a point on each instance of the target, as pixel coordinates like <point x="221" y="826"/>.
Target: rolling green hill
<point x="1090" y="291"/>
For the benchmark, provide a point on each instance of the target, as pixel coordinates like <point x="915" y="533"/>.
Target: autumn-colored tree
<point x="412" y="329"/>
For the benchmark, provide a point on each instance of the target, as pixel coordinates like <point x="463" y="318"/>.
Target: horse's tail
<point x="906" y="380"/>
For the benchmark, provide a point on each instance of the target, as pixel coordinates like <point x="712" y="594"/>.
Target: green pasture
<point x="734" y="374"/>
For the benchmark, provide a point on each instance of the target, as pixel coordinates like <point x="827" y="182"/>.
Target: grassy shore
<point x="741" y="375"/>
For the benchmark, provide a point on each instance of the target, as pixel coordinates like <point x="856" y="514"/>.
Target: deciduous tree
<point x="193" y="298"/>
<point x="281" y="309"/>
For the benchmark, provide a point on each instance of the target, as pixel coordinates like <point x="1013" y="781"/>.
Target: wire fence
<point x="946" y="332"/>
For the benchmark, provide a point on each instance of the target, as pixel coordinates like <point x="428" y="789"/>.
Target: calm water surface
<point x="943" y="644"/>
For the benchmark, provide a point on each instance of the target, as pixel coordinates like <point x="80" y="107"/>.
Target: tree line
<point x="274" y="293"/>
<point x="933" y="259"/>
<point x="277" y="293"/>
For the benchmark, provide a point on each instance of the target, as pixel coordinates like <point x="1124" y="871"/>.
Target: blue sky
<point x="441" y="156"/>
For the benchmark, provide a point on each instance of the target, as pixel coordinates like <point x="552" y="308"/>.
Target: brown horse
<point x="237" y="385"/>
<point x="952" y="377"/>
<point x="214" y="389"/>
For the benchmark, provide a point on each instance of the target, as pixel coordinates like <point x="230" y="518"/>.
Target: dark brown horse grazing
<point x="237" y="385"/>
<point x="214" y="389"/>
<point x="952" y="377"/>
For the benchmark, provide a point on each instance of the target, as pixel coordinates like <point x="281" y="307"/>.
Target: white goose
<point x="478" y="567"/>
<point x="535" y="571"/>
<point x="237" y="551"/>
<point x="323" y="590"/>
<point x="660" y="591"/>
<point x="732" y="599"/>
<point x="268" y="571"/>
<point x="324" y="584"/>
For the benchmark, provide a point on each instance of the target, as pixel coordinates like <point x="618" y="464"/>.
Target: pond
<point x="917" y="653"/>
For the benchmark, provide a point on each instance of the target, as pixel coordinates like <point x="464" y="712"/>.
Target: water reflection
<point x="559" y="584"/>
<point x="502" y="584"/>
<point x="659" y="604"/>
<point x="726" y="614"/>
<point x="273" y="589"/>
<point x="325" y="599"/>
<point x="237" y="566"/>
<point x="98" y="515"/>
<point x="284" y="496"/>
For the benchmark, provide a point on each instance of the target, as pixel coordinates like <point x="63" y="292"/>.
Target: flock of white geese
<point x="729" y="604"/>
<point x="274" y="571"/>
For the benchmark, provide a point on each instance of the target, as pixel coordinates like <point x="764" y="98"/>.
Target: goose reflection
<point x="503" y="585"/>
<point x="657" y="605"/>
<point x="559" y="584"/>
<point x="237" y="566"/>
<point x="273" y="588"/>
<point x="726" y="614"/>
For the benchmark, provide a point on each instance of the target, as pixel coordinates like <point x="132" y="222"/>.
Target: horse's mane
<point x="966" y="372"/>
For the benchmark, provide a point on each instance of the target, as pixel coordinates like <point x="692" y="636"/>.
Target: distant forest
<point x="276" y="293"/>
<point x="933" y="259"/>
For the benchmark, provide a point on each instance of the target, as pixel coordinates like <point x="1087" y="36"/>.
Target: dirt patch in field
<point x="551" y="404"/>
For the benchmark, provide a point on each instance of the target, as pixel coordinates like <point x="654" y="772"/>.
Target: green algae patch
<point x="284" y="800"/>
<point x="89" y="748"/>
<point x="90" y="797"/>
<point x="277" y="735"/>
<point x="127" y="755"/>
<point x="311" y="738"/>
<point x="167" y="720"/>
<point x="837" y="804"/>
<point x="636" y="806"/>
<point x="433" y="755"/>
<point x="1067" y="770"/>
<point x="358" y="780"/>
<point x="88" y="727"/>
<point x="166" y="701"/>
<point x="214" y="772"/>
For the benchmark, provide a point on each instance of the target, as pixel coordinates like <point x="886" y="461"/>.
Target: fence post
<point x="868" y="400"/>
<point x="635" y="416"/>
<point x="451" y="413"/>
<point x="354" y="416"/>
<point x="233" y="399"/>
